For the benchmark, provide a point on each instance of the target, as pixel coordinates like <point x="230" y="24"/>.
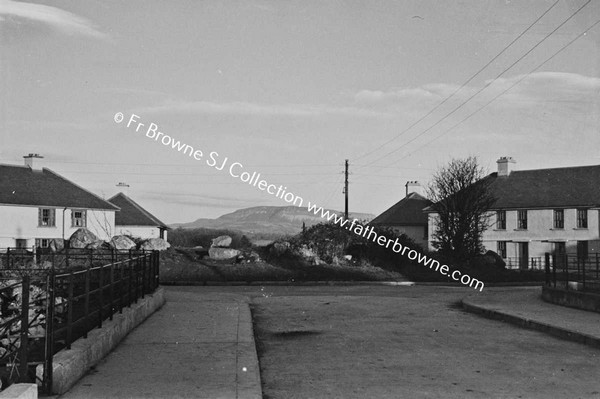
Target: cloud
<point x="203" y="200"/>
<point x="540" y="86"/>
<point x="130" y="91"/>
<point x="256" y="109"/>
<point x="429" y="92"/>
<point x="543" y="87"/>
<point x="56" y="18"/>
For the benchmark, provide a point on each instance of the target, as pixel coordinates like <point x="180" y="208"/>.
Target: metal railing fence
<point x="43" y="310"/>
<point x="573" y="272"/>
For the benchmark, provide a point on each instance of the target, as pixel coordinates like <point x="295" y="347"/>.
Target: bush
<point x="330" y="241"/>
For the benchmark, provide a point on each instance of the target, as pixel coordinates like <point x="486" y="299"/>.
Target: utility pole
<point x="346" y="191"/>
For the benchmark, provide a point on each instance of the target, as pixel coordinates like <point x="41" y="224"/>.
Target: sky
<point x="290" y="89"/>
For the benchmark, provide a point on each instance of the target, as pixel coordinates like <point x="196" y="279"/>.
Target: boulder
<point x="221" y="242"/>
<point x="81" y="238"/>
<point x="122" y="243"/>
<point x="223" y="253"/>
<point x="57" y="245"/>
<point x="154" y="244"/>
<point x="96" y="244"/>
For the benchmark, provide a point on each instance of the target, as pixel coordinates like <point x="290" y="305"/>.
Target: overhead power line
<point x="484" y="87"/>
<point x="466" y="82"/>
<point x="501" y="93"/>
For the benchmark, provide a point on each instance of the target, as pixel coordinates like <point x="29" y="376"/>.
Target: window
<point x="42" y="242"/>
<point x="559" y="218"/>
<point x="522" y="219"/>
<point x="502" y="249"/>
<point x="582" y="220"/>
<point x="21" y="243"/>
<point x="501" y="220"/>
<point x="78" y="218"/>
<point x="46" y="217"/>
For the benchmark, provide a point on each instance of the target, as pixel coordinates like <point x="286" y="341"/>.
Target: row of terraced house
<point x="540" y="211"/>
<point x="37" y="205"/>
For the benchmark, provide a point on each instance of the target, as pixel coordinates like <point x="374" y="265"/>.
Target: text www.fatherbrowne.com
<point x="370" y="234"/>
<point x="236" y="170"/>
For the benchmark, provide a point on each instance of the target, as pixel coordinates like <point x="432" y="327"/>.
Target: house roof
<point x="132" y="214"/>
<point x="406" y="212"/>
<point x="21" y="185"/>
<point x="569" y="187"/>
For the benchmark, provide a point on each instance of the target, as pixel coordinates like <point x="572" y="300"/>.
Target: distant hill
<point x="272" y="220"/>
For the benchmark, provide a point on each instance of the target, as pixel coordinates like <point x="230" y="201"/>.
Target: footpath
<point x="195" y="346"/>
<point x="525" y="307"/>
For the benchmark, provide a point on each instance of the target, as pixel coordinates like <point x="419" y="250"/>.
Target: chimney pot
<point x="29" y="161"/>
<point x="505" y="166"/>
<point x="413" y="186"/>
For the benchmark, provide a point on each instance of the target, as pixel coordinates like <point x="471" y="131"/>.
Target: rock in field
<point x="221" y="242"/>
<point x="57" y="244"/>
<point x="81" y="238"/>
<point x="155" y="244"/>
<point x="96" y="244"/>
<point x="122" y="242"/>
<point x="223" y="253"/>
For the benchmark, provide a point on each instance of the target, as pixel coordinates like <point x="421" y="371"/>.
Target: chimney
<point x="31" y="164"/>
<point x="504" y="166"/>
<point x="413" y="187"/>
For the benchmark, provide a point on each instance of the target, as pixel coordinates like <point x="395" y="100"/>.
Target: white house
<point x="135" y="221"/>
<point x="542" y="211"/>
<point x="38" y="205"/>
<point x="407" y="216"/>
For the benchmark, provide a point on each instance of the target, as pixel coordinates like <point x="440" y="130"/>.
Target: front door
<point x="523" y="251"/>
<point x="560" y="252"/>
<point x="582" y="249"/>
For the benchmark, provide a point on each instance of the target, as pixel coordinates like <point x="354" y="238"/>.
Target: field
<point x="184" y="266"/>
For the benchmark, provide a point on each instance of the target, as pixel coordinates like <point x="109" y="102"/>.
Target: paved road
<point x="405" y="342"/>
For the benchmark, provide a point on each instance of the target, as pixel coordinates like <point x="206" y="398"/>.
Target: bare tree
<point x="462" y="199"/>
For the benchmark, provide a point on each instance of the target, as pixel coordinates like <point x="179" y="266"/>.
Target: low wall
<point x="69" y="365"/>
<point x="20" y="391"/>
<point x="572" y="298"/>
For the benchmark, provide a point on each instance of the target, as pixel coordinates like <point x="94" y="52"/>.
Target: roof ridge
<point x="556" y="168"/>
<point x="14" y="166"/>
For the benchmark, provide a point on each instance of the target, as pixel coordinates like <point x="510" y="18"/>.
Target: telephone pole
<point x="346" y="191"/>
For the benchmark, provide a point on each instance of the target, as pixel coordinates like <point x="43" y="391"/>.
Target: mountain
<point x="273" y="220"/>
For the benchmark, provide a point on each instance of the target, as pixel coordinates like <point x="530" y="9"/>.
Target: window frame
<point x="558" y="219"/>
<point x="501" y="249"/>
<point x="582" y="222"/>
<point x="501" y="220"/>
<point x="51" y="217"/>
<point x="522" y="221"/>
<point x="39" y="242"/>
<point x="83" y="218"/>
